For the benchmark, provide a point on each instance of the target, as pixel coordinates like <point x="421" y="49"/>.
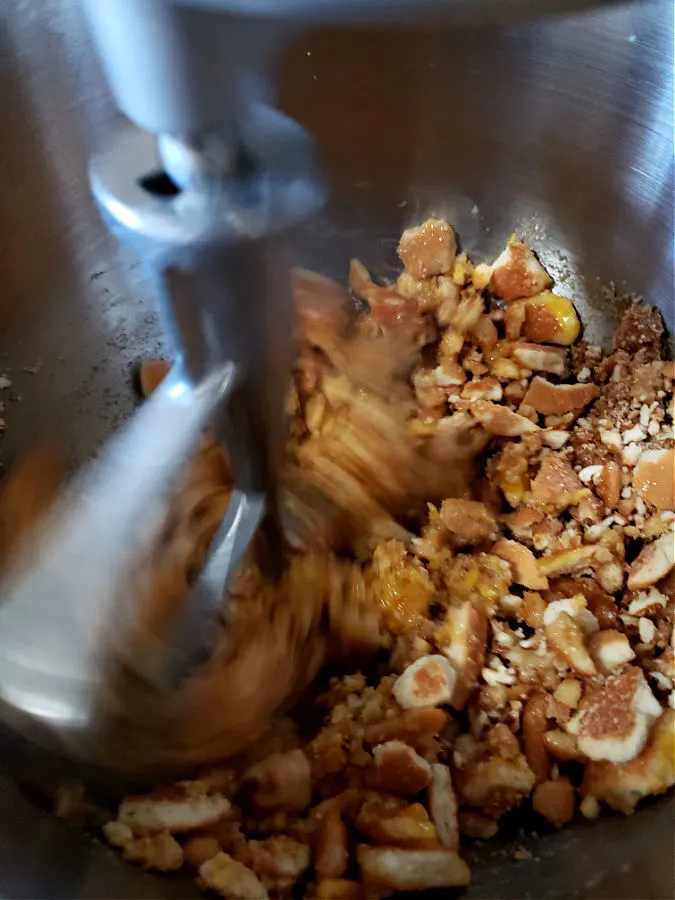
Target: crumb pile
<point x="498" y="559"/>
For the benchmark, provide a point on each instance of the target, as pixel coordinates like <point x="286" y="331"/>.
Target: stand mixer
<point x="210" y="205"/>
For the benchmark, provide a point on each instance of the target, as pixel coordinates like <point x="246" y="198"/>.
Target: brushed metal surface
<point x="562" y="128"/>
<point x="195" y="66"/>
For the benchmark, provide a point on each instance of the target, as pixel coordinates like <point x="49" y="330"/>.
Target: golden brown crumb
<point x="558" y="399"/>
<point x="412" y="726"/>
<point x="463" y="638"/>
<point x="390" y="821"/>
<point x="185" y="806"/>
<point x="523" y="564"/>
<point x="555" y="800"/>
<point x="443" y="807"/>
<point x="402" y="587"/>
<point x="283" y="781"/>
<point x="279" y="861"/>
<point x="231" y="879"/>
<point x="200" y="848"/>
<point x="517" y="273"/>
<point x="155" y="851"/>
<point x="428" y="249"/>
<point x="654" y="478"/>
<point x="399" y="769"/>
<point x="653" y="563"/>
<point x="151" y="374"/>
<point x="410" y="870"/>
<point x="496" y="785"/>
<point x="535" y="726"/>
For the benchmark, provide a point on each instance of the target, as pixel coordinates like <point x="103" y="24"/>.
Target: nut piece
<point x="402" y="587"/>
<point x="647" y="630"/>
<point x="608" y="485"/>
<point x="481" y="276"/>
<point x="598" y="602"/>
<point x="615" y="720"/>
<point x="487" y="388"/>
<point x="322" y="307"/>
<point x="652" y="772"/>
<point x="389" y="310"/>
<point x="117" y="834"/>
<point x="653" y="563"/>
<point x="466" y="633"/>
<point x="390" y="821"/>
<point x="591" y="510"/>
<point x="610" y="577"/>
<point x="428" y="681"/>
<point x="428" y="391"/>
<point x="531" y="609"/>
<point x="517" y="273"/>
<point x="184" y="806"/>
<point x="610" y="650"/>
<point x="500" y="420"/>
<point x="550" y="319"/>
<point x="200" y="848"/>
<point x="555" y="801"/>
<point x="654" y="478"/>
<point x="485" y="332"/>
<point x="442" y="802"/>
<point x="566" y="561"/>
<point x="505" y="369"/>
<point x="284" y="782"/>
<point x="151" y="374"/>
<point x="155" y="851"/>
<point x="523" y="564"/>
<point x="569" y="692"/>
<point x="567" y="637"/>
<point x="576" y="608"/>
<point x="540" y="358"/>
<point x="562" y="746"/>
<point x="534" y="725"/>
<point x="468" y="521"/>
<point x="279" y="861"/>
<point x="400" y="769"/>
<point x="332" y="847"/>
<point x="522" y="522"/>
<point x="648" y="603"/>
<point x="514" y="319"/>
<point x="413" y="726"/>
<point x="467" y="315"/>
<point x="559" y="399"/>
<point x="556" y="485"/>
<point x="411" y="870"/>
<point x="494" y="785"/>
<point x="555" y="438"/>
<point x="428" y="249"/>
<point x="230" y="879"/>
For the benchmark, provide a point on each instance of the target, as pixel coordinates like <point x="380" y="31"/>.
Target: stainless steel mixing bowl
<point x="562" y="128"/>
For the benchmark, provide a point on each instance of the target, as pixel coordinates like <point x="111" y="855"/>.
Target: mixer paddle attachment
<point x="216" y="242"/>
